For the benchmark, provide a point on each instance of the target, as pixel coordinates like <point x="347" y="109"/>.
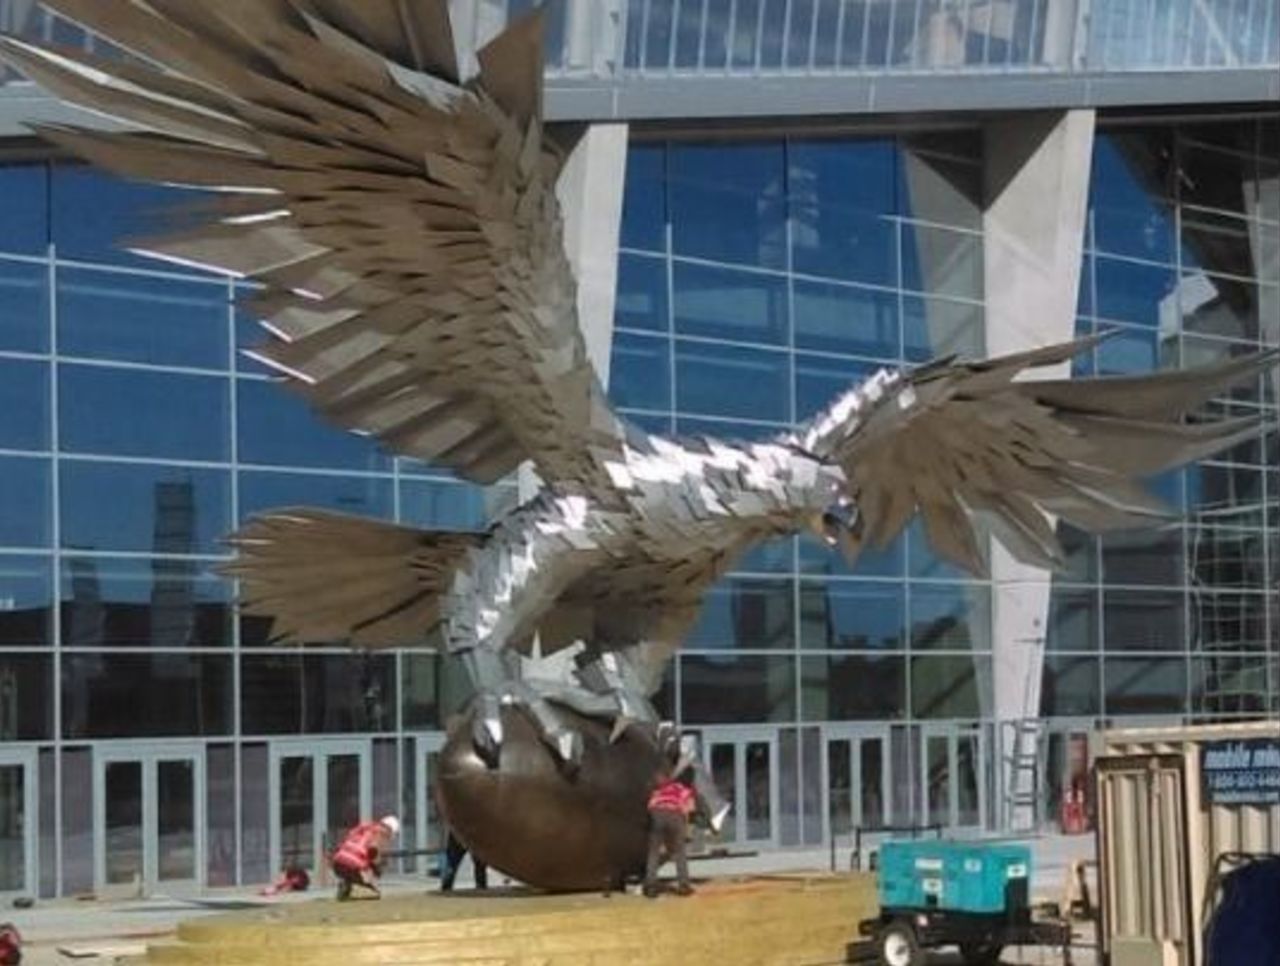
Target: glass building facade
<point x="150" y="734"/>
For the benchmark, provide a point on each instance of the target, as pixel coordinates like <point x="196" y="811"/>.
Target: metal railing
<point x="632" y="39"/>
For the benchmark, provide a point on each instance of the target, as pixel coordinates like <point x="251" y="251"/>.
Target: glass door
<point x="428" y="821"/>
<point x="856" y="779"/>
<point x="743" y="763"/>
<point x="18" y="811"/>
<point x="954" y="775"/>
<point x="318" y="790"/>
<point x="149" y="818"/>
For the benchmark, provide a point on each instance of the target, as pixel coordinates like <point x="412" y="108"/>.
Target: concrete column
<point x="1036" y="183"/>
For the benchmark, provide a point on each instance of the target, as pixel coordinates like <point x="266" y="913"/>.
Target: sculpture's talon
<point x="486" y="727"/>
<point x="620" y="725"/>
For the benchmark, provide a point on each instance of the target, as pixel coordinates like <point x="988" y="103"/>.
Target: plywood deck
<point x="773" y="920"/>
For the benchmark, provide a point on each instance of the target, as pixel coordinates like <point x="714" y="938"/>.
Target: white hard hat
<point x="392" y="823"/>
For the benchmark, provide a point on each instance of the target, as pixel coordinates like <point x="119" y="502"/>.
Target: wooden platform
<point x="775" y="920"/>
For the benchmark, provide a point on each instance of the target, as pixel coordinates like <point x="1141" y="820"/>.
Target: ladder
<point x="1024" y="747"/>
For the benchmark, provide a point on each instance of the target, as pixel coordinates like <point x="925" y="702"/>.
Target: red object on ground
<point x="291" y="880"/>
<point x="1074" y="819"/>
<point x="672" y="796"/>
<point x="10" y="945"/>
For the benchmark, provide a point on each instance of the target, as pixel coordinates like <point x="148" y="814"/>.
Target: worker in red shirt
<point x="360" y="857"/>
<point x="10" y="945"/>
<point x="670" y="805"/>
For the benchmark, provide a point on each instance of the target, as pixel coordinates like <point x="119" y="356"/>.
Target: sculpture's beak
<point x="840" y="525"/>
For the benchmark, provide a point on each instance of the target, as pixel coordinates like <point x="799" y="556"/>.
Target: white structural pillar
<point x="1036" y="181"/>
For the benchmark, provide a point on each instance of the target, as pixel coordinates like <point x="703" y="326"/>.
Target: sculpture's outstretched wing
<point x="953" y="439"/>
<point x="402" y="220"/>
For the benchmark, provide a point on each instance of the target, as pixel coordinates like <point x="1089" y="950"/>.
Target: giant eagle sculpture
<point x="395" y="203"/>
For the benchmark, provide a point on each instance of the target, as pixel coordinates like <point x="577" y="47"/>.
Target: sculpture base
<point x="775" y="920"/>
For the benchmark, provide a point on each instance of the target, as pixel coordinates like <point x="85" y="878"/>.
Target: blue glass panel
<point x="853" y="687"/>
<point x="937" y="327"/>
<point x="923" y="562"/>
<point x="1084" y="291"/>
<point x="640" y="371"/>
<point x="846" y="318"/>
<point x="1134" y="292"/>
<point x="1130" y="216"/>
<point x="853" y="615"/>
<point x="144" y="507"/>
<point x="443" y="505"/>
<point x="1133" y="351"/>
<point x="25" y="189"/>
<point x="95" y="215"/>
<point x="852" y="175"/>
<point x="642" y="293"/>
<point x="249" y="335"/>
<point x="718" y="380"/>
<point x="24" y="502"/>
<point x="659" y="423"/>
<point x="818" y="558"/>
<point x="737" y="688"/>
<point x="370" y="496"/>
<point x="135" y="318"/>
<point x="845" y="243"/>
<point x="277" y="428"/>
<point x="819" y="380"/>
<point x="770" y="557"/>
<point x="728" y="203"/>
<point x="727" y="304"/>
<point x="746" y="613"/>
<point x="130" y="602"/>
<point x="24" y="403"/>
<point x="24" y="306"/>
<point x="949" y="617"/>
<point x="26" y="587"/>
<point x="130" y="412"/>
<point x="644" y="208"/>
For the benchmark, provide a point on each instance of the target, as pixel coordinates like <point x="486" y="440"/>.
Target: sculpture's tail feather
<point x="327" y="577"/>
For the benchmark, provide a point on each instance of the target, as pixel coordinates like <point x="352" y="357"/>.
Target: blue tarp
<point x="1245" y="930"/>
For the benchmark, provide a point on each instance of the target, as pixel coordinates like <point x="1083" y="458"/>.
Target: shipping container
<point x="1171" y="802"/>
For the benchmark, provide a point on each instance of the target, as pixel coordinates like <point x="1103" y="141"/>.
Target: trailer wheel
<point x="898" y="945"/>
<point x="981" y="953"/>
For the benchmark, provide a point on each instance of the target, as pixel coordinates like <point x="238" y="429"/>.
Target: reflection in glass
<point x="854" y="615"/>
<point x="710" y="381"/>
<point x="727" y="304"/>
<point x="25" y="188"/>
<point x="1070" y="686"/>
<point x="644" y="208"/>
<point x="840" y="786"/>
<point x="24" y="400"/>
<point x="370" y="496"/>
<point x="745" y="613"/>
<point x="1230" y="684"/>
<point x="1134" y="292"/>
<point x="641" y="301"/>
<point x="934" y="327"/>
<point x="185" y="695"/>
<point x="950" y="686"/>
<point x="640" y="371"/>
<point x="277" y="428"/>
<point x="154" y="508"/>
<point x="317" y="693"/>
<point x="969" y="812"/>
<point x="26" y="697"/>
<point x="871" y="782"/>
<point x="122" y="822"/>
<point x="942" y="261"/>
<point x="1073" y="620"/>
<point x="950" y="616"/>
<point x="1130" y="213"/>
<point x="342" y="786"/>
<point x="852" y="687"/>
<point x="14" y="823"/>
<point x="733" y="688"/>
<point x="819" y="379"/>
<point x="758" y="759"/>
<point x="444" y="504"/>
<point x="1144" y="557"/>
<point x="727" y="203"/>
<point x="131" y="412"/>
<point x="297" y="812"/>
<point x="1142" y="620"/>
<point x="724" y="771"/>
<point x="847" y="318"/>
<point x="140" y="318"/>
<point x="176" y="819"/>
<point x="1145" y="685"/>
<point x="938" y="779"/>
<point x="25" y="497"/>
<point x="131" y="602"/>
<point x="220" y="774"/>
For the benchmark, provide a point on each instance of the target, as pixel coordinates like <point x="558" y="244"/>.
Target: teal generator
<point x="965" y="877"/>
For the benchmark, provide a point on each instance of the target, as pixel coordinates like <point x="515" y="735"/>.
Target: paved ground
<point x="116" y="925"/>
